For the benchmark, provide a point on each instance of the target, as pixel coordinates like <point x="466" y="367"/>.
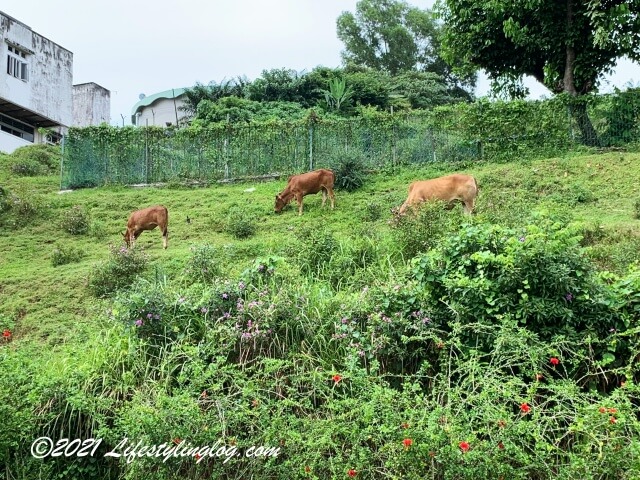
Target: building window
<point x="17" y="128"/>
<point x="17" y="65"/>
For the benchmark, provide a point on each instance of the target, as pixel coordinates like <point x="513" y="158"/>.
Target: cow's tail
<point x="475" y="183"/>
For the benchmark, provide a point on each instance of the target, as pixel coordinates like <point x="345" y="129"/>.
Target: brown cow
<point x="450" y="188"/>
<point x="305" y="184"/>
<point x="147" y="219"/>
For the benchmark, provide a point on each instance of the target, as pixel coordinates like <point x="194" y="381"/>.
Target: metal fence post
<point x="62" y="142"/>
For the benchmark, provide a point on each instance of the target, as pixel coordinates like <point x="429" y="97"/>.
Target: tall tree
<point x="394" y="37"/>
<point x="567" y="45"/>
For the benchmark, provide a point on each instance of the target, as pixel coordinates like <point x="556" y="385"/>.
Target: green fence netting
<point x="501" y="131"/>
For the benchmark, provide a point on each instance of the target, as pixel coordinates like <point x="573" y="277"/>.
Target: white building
<point x="91" y="104"/>
<point x="35" y="86"/>
<point x="160" y="109"/>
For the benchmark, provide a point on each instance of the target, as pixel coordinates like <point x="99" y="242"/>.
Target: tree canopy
<point x="567" y="45"/>
<point x="394" y="37"/>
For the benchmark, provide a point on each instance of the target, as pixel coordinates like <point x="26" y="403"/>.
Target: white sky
<point x="143" y="46"/>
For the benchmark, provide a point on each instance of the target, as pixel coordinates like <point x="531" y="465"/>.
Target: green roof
<point x="148" y="100"/>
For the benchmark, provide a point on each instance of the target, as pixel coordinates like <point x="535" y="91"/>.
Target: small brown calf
<point x="147" y="219"/>
<point x="451" y="188"/>
<point x="306" y="184"/>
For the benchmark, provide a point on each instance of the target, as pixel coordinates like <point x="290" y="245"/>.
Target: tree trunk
<point x="588" y="134"/>
<point x="578" y="108"/>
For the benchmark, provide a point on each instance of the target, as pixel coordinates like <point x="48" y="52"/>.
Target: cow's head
<point x="280" y="203"/>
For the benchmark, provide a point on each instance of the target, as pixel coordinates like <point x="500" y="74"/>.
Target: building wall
<point x="8" y="142"/>
<point x="160" y="112"/>
<point x="91" y="105"/>
<point x="48" y="87"/>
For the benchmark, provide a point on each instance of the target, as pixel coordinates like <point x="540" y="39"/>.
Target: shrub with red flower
<point x="336" y="378"/>
<point x="407" y="442"/>
<point x="525" y="408"/>
<point x="464" y="446"/>
<point x="6" y="335"/>
<point x="554" y="361"/>
<point x="501" y="445"/>
<point x="352" y="473"/>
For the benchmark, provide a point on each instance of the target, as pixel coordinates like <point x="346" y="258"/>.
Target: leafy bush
<point x="350" y="172"/>
<point x="240" y="223"/>
<point x="20" y="207"/>
<point x="63" y="255"/>
<point x="122" y="268"/>
<point x="31" y="160"/>
<point x="314" y="248"/>
<point x="5" y="200"/>
<point x="26" y="168"/>
<point x="372" y="212"/>
<point x="204" y="263"/>
<point x="76" y="220"/>
<point x="422" y="228"/>
<point x="539" y="274"/>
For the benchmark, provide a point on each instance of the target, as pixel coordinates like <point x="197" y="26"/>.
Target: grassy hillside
<point x="600" y="191"/>
<point x="339" y="276"/>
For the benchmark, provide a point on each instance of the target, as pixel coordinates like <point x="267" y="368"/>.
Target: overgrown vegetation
<point x="434" y="345"/>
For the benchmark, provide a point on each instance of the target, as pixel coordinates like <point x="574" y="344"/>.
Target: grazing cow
<point x="305" y="184"/>
<point x="147" y="219"/>
<point x="451" y="188"/>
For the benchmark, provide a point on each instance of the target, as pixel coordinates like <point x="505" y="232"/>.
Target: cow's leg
<point x="468" y="206"/>
<point x="332" y="197"/>
<point x="165" y="238"/>
<point x="134" y="237"/>
<point x="299" y="199"/>
<point x="324" y="196"/>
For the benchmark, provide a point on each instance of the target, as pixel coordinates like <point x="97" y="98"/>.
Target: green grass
<point x="46" y="302"/>
<point x="104" y="376"/>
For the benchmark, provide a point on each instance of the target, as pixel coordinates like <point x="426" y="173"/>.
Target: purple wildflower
<point x="139" y="322"/>
<point x="225" y="296"/>
<point x="568" y="297"/>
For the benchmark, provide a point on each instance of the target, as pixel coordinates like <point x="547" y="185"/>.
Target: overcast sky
<point x="142" y="46"/>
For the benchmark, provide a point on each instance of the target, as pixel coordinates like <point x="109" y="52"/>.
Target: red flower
<point x="612" y="420"/>
<point x="336" y="378"/>
<point x="612" y="410"/>
<point x="177" y="441"/>
<point x="464" y="446"/>
<point x="197" y="456"/>
<point x="554" y="361"/>
<point x="602" y="410"/>
<point x="6" y="334"/>
<point x="500" y="445"/>
<point x="525" y="408"/>
<point x="351" y="472"/>
<point x="407" y="442"/>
